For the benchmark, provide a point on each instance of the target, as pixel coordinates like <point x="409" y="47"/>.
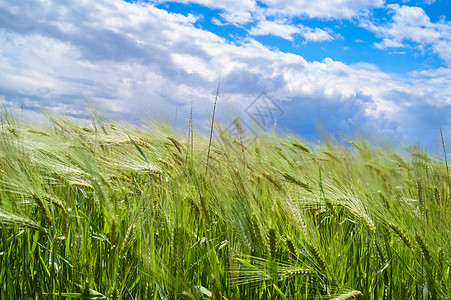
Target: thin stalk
<point x="446" y="161"/>
<point x="189" y="152"/>
<point x="191" y="127"/>
<point x="212" y="125"/>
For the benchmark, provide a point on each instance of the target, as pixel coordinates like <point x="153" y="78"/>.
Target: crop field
<point x="116" y="211"/>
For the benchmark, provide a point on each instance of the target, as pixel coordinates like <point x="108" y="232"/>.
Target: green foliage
<point x="120" y="212"/>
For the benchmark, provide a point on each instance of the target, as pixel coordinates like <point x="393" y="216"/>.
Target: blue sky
<point x="380" y="68"/>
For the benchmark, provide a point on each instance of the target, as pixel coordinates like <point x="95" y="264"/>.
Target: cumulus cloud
<point x="412" y="25"/>
<point x="388" y="43"/>
<point x="333" y="9"/>
<point x="317" y="34"/>
<point x="239" y="12"/>
<point x="286" y="31"/>
<point x="274" y="28"/>
<point x="228" y="5"/>
<point x="135" y="57"/>
<point x="237" y="17"/>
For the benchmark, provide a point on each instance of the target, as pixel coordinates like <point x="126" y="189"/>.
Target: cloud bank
<point x="134" y="57"/>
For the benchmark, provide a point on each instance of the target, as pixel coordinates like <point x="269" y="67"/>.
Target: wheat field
<point x="116" y="211"/>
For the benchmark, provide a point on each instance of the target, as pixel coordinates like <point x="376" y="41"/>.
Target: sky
<point x="370" y="67"/>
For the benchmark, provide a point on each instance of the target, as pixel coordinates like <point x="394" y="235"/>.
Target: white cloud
<point x="273" y="28"/>
<point x="437" y="81"/>
<point x="239" y="11"/>
<point x="316" y="34"/>
<point x="287" y="31"/>
<point x="334" y="9"/>
<point x="133" y="58"/>
<point x="412" y="25"/>
<point x="366" y="66"/>
<point x="237" y="17"/>
<point x="193" y="65"/>
<point x="428" y="2"/>
<point x="388" y="43"/>
<point x="229" y="5"/>
<point x="443" y="48"/>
